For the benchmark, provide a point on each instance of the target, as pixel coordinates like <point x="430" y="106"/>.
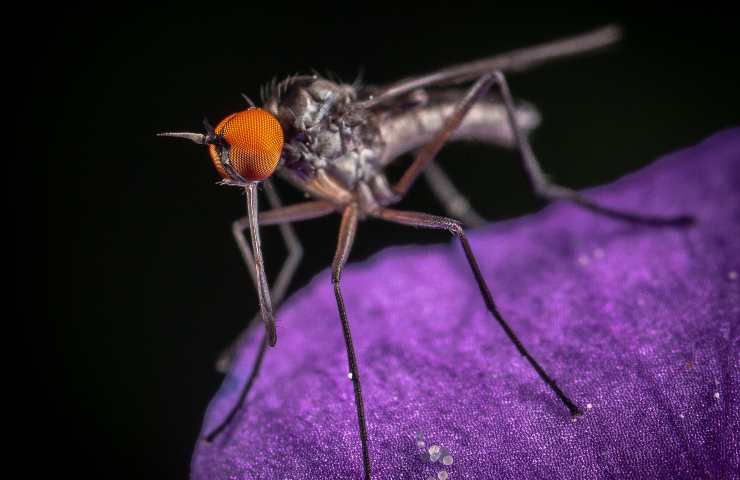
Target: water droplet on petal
<point x="434" y="453"/>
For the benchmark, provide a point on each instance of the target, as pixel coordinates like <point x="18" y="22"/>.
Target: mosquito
<point x="333" y="141"/>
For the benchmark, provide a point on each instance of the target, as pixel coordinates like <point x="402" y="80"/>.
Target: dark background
<point x="144" y="283"/>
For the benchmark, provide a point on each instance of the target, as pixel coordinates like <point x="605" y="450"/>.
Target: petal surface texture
<point x="638" y="325"/>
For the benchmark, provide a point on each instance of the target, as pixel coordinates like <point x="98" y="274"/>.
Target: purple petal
<point x="639" y="325"/>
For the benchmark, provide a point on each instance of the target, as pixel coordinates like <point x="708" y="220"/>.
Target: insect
<point x="333" y="142"/>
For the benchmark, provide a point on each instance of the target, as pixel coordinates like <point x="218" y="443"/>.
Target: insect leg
<point x="278" y="216"/>
<point x="280" y="286"/>
<point x="260" y="279"/>
<point x="455" y="203"/>
<point x="552" y="191"/>
<point x="542" y="186"/>
<point x="283" y="217"/>
<point x="347" y="232"/>
<point x="424" y="220"/>
<point x="426" y="154"/>
<point x="256" y="366"/>
<point x="263" y="289"/>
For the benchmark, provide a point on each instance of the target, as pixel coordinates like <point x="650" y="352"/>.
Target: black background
<point x="144" y="283"/>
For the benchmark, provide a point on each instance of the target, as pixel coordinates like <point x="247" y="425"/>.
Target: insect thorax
<point x="326" y="135"/>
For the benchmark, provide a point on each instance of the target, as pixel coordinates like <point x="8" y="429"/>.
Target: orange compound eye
<point x="255" y="142"/>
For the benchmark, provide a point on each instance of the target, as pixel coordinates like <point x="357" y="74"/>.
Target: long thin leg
<point x="423" y="220"/>
<point x="278" y="216"/>
<point x="243" y="394"/>
<point x="281" y="216"/>
<point x="551" y="191"/>
<point x="347" y="232"/>
<point x="263" y="289"/>
<point x="541" y="185"/>
<point x="426" y="154"/>
<point x="264" y="301"/>
<point x="455" y="203"/>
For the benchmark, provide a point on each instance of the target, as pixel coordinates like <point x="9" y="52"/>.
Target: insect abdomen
<point x="486" y="122"/>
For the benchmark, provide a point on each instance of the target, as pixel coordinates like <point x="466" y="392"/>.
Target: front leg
<point x="263" y="288"/>
<point x="278" y="216"/>
<point x="282" y="217"/>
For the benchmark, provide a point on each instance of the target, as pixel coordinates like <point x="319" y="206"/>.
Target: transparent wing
<point x="514" y="61"/>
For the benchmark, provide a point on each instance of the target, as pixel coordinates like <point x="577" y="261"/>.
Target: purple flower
<point x="639" y="325"/>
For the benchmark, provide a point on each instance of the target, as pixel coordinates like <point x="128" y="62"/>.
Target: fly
<point x="333" y="142"/>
